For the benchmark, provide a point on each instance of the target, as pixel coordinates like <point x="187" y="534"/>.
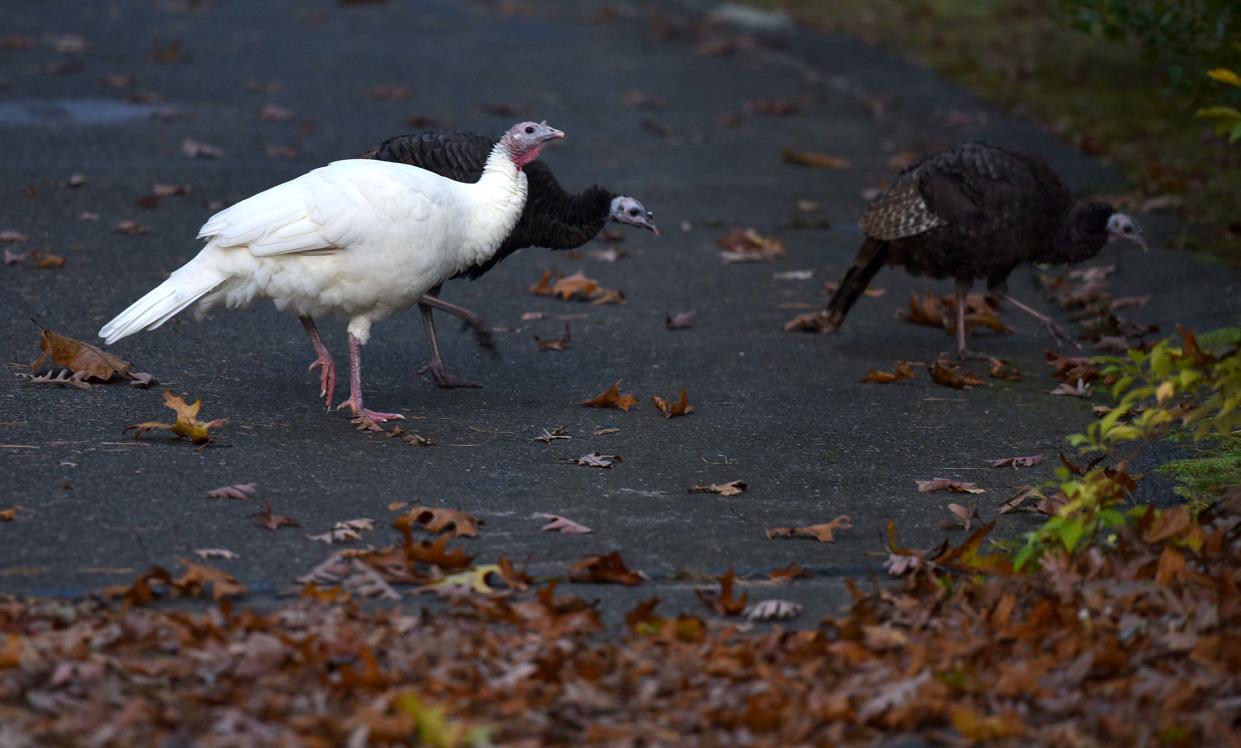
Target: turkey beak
<point x="1141" y="242"/>
<point x="550" y="134"/>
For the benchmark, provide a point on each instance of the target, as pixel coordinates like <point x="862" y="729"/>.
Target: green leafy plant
<point x="1227" y="119"/>
<point x="1178" y="386"/>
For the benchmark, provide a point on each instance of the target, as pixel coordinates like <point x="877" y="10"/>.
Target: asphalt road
<point x="783" y="412"/>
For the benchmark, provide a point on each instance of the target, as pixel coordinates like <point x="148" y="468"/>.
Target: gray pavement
<point x="784" y="412"/>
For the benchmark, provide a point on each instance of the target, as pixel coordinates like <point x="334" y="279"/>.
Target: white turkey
<point x="359" y="238"/>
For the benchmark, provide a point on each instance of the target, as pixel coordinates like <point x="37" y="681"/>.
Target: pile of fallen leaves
<point x="1135" y="642"/>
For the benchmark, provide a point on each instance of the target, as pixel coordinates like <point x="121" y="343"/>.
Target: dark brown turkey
<point x="977" y="211"/>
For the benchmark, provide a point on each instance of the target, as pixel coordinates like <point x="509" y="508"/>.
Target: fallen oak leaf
<point x="1016" y="503"/>
<point x="811" y="158"/>
<point x="575" y="285"/>
<point x="9" y="235"/>
<point x="187" y="425"/>
<point x="903" y="370"/>
<point x="672" y="410"/>
<point x="609" y="569"/>
<point x="547" y="437"/>
<point x="1029" y="461"/>
<point x="235" y="491"/>
<point x="194" y="149"/>
<point x="269" y="521"/>
<point x="197" y="577"/>
<point x="8" y="515"/>
<point x="409" y="437"/>
<point x="608" y="296"/>
<point x="788" y="572"/>
<point x="133" y="228"/>
<point x="474" y="579"/>
<point x="612" y="398"/>
<point x="597" y="460"/>
<point x="947" y="484"/>
<point x="345" y="531"/>
<point x="679" y="321"/>
<point x="515" y="579"/>
<point x="222" y="553"/>
<point x="732" y="488"/>
<point x="964" y="517"/>
<point x="824" y="533"/>
<point x="555" y="344"/>
<point x="455" y="523"/>
<point x="724" y="602"/>
<point x="810" y="322"/>
<point x="58" y="377"/>
<point x="46" y="260"/>
<point x="83" y="359"/>
<point x="1005" y="371"/>
<point x="747" y="245"/>
<point x="1078" y="389"/>
<point x="948" y="375"/>
<point x="925" y="309"/>
<point x="561" y="524"/>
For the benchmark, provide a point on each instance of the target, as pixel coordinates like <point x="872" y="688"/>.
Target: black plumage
<point x="553" y="217"/>
<point x="976" y="211"/>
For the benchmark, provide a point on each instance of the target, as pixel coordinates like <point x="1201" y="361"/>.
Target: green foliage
<point x="1227" y="119"/>
<point x="1181" y="34"/>
<point x="1200" y="478"/>
<point x="1170" y="388"/>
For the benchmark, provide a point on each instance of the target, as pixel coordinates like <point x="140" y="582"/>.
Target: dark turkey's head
<point x="1122" y="226"/>
<point x="526" y="139"/>
<point x="626" y="209"/>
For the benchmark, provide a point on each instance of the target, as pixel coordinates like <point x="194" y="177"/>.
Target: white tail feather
<point x="185" y="286"/>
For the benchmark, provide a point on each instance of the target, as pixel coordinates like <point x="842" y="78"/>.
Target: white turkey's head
<point x="1122" y="226"/>
<point x="626" y="209"/>
<point x="525" y="139"/>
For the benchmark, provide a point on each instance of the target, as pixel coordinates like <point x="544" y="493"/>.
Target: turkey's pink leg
<point x="963" y="352"/>
<point x="354" y="402"/>
<point x="327" y="375"/>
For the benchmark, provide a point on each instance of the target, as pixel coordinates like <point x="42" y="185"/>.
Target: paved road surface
<point x="783" y="412"/>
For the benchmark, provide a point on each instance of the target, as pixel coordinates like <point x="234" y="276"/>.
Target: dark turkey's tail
<point x="870" y="258"/>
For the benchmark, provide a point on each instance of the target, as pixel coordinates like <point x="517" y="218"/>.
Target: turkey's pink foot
<point x="327" y="379"/>
<point x="446" y="380"/>
<point x="365" y="413"/>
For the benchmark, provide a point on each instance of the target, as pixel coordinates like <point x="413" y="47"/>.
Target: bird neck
<point x="1081" y="235"/>
<point x="566" y="220"/>
<point x="498" y="198"/>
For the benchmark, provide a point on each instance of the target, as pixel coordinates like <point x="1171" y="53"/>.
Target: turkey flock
<point x="369" y="237"/>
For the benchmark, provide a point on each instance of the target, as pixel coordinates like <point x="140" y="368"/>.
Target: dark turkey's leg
<point x="963" y="352"/>
<point x="327" y="375"/>
<point x="1055" y="331"/>
<point x="478" y="325"/>
<point x="354" y="402"/>
<point x="429" y="301"/>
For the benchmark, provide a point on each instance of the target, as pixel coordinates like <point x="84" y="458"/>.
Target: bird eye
<point x="634" y="211"/>
<point x="1127" y="229"/>
<point x="529" y="130"/>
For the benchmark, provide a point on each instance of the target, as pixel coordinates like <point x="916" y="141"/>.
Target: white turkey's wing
<point x="324" y="210"/>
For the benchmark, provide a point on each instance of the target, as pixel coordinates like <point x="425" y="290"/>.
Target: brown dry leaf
<point x="14" y="237"/>
<point x="187" y="425"/>
<point x="44" y="260"/>
<point x="670" y="409"/>
<point x="950" y="375"/>
<point x="275" y="113"/>
<point x="8" y="515"/>
<point x="194" y="149"/>
<point x="1017" y="502"/>
<point x="679" y="321"/>
<point x="809" y="322"/>
<point x="609" y="569"/>
<point x="1028" y="461"/>
<point x="346" y="531"/>
<point x="1072" y="389"/>
<point x="903" y="370"/>
<point x="747" y="245"/>
<point x="198" y="576"/>
<point x="1003" y="370"/>
<point x="555" y="344"/>
<point x="575" y="285"/>
<point x="1072" y="368"/>
<point x="788" y="572"/>
<point x="409" y="437"/>
<point x="597" y="460"/>
<point x="608" y="296"/>
<point x="83" y="359"/>
<point x="132" y="228"/>
<point x="222" y="553"/>
<point x="612" y="398"/>
<point x="167" y="53"/>
<point x="731" y="488"/>
<point x="925" y="309"/>
<point x="772" y="610"/>
<point x="819" y="160"/>
<point x="724" y="602"/>
<point x="964" y="517"/>
<point x="269" y="521"/>
<point x="564" y="525"/>
<point x="453" y="523"/>
<point x="547" y="437"/>
<point x="611" y="254"/>
<point x="235" y="491"/>
<point x="517" y="580"/>
<point x="824" y="533"/>
<point x="947" y="484"/>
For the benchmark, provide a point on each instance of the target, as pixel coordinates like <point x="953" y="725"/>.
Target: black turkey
<point x="977" y="211"/>
<point x="553" y="218"/>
